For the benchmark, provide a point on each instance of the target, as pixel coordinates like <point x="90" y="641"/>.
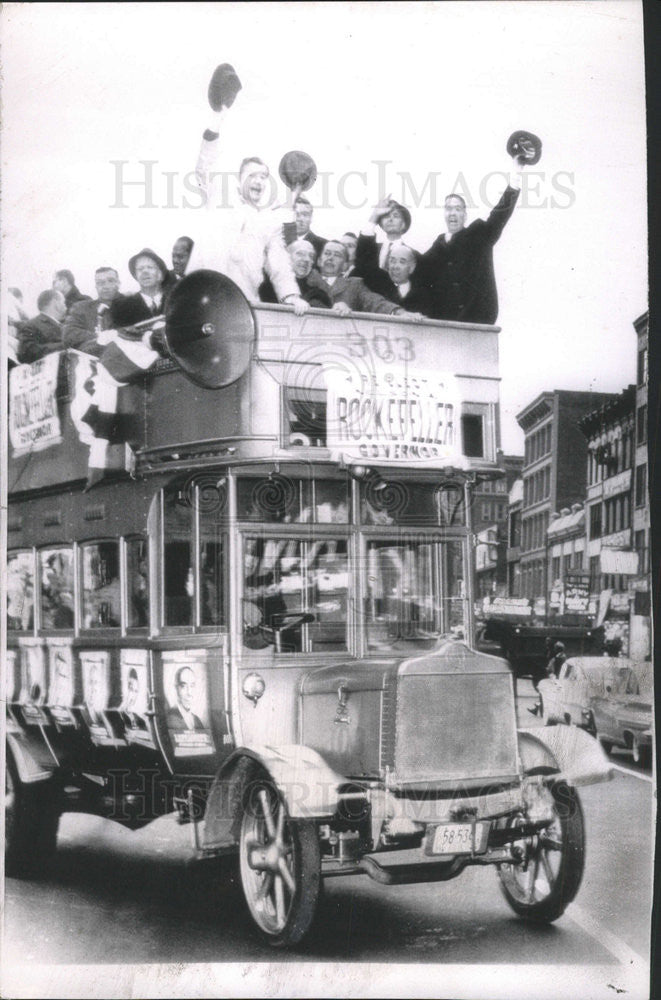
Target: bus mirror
<point x="209" y="329"/>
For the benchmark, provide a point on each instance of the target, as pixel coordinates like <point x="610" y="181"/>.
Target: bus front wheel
<point x="280" y="863"/>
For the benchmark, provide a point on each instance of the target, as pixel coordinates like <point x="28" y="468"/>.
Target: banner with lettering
<point x="394" y="417"/>
<point x="34" y="423"/>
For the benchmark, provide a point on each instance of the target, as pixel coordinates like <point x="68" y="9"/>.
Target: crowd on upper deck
<point x="274" y="256"/>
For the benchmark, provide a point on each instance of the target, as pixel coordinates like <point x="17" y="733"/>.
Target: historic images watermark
<point x="146" y="184"/>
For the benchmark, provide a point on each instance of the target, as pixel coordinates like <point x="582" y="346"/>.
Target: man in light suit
<point x="85" y="320"/>
<point x="350" y="294"/>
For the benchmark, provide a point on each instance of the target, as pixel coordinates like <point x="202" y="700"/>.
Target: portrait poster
<point x="61" y="682"/>
<point x="33" y="683"/>
<point x="134" y="665"/>
<point x="105" y="112"/>
<point x="95" y="665"/>
<point x="185" y="682"/>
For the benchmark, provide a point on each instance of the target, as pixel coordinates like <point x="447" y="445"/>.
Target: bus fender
<point x="577" y="757"/>
<point x="308" y="785"/>
<point x="33" y="762"/>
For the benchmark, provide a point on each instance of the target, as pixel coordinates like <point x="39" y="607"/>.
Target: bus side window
<point x="137" y="568"/>
<point x="101" y="590"/>
<point x="56" y="588"/>
<point x="20" y="591"/>
<point x="177" y="560"/>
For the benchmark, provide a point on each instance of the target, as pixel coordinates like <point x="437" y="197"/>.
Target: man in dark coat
<point x="398" y="282"/>
<point x="312" y="286"/>
<point x="64" y="281"/>
<point x="150" y="271"/>
<point x="350" y="294"/>
<point x="371" y="263"/>
<point x="458" y="267"/>
<point x="87" y="319"/>
<point x="43" y="334"/>
<point x="303" y="212"/>
<point x="181" y="251"/>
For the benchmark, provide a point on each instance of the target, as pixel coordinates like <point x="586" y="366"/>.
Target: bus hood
<point x="439" y="719"/>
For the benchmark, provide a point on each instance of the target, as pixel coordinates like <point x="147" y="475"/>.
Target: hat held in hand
<point x="297" y="169"/>
<point x="224" y="87"/>
<point x="525" y="146"/>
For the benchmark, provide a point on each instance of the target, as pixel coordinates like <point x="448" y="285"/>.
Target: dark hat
<point x="526" y="146"/>
<point x="403" y="209"/>
<point x="146" y="252"/>
<point x="223" y="87"/>
<point x="297" y="168"/>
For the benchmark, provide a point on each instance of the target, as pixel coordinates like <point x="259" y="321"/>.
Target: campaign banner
<point x="391" y="416"/>
<point x="34" y="423"/>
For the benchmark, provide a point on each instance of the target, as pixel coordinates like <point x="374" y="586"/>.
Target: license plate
<point x="457" y="838"/>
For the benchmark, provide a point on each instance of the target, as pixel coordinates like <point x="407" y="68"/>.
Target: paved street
<point x="122" y="897"/>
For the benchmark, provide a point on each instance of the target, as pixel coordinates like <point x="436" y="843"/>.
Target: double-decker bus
<point x="267" y="624"/>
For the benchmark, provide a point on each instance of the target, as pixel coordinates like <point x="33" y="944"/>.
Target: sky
<point x="415" y="100"/>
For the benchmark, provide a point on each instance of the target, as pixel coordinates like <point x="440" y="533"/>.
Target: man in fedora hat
<point x="150" y="271"/>
<point x="372" y="256"/>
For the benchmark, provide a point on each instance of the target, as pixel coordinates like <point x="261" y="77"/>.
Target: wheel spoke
<point x="534" y="871"/>
<point x="287" y="875"/>
<point x="280" y="910"/>
<point x="550" y="843"/>
<point x="266" y="886"/>
<point x="548" y="871"/>
<point x="281" y="822"/>
<point x="268" y="815"/>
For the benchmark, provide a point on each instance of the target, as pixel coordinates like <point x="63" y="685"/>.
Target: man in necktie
<point x="86" y="320"/>
<point x="372" y="257"/>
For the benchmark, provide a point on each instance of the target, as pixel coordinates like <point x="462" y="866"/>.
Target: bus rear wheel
<point x="280" y="864"/>
<point x="32" y="816"/>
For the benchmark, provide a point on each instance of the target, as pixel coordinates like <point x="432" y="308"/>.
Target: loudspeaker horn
<point x="209" y="328"/>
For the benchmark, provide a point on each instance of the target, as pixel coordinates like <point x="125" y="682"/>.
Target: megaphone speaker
<point x="209" y="328"/>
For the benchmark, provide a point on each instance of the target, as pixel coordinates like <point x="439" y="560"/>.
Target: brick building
<point x="641" y="585"/>
<point x="609" y="431"/>
<point x="554" y="476"/>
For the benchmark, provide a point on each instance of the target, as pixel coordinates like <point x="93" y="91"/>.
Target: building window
<point x="641" y="425"/>
<point x="640" y="545"/>
<point x="594" y="574"/>
<point x="515" y="529"/>
<point x="641" y="485"/>
<point x="595" y="521"/>
<point x="566" y="565"/>
<point x="501" y="486"/>
<point x="642" y="367"/>
<point x="555" y="568"/>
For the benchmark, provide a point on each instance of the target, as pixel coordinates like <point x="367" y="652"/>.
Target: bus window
<point x="56" y="588"/>
<point x="101" y="590"/>
<point x="137" y="568"/>
<point x="272" y="590"/>
<point x="20" y="591"/>
<point x="397" y="502"/>
<point x="331" y="501"/>
<point x="453" y="587"/>
<point x="328" y="578"/>
<point x="212" y="610"/>
<point x="177" y="560"/>
<point x="401" y="592"/>
<point x="276" y="499"/>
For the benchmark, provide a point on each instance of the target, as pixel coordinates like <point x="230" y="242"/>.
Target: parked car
<point x="609" y="697"/>
<point x="623" y="716"/>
